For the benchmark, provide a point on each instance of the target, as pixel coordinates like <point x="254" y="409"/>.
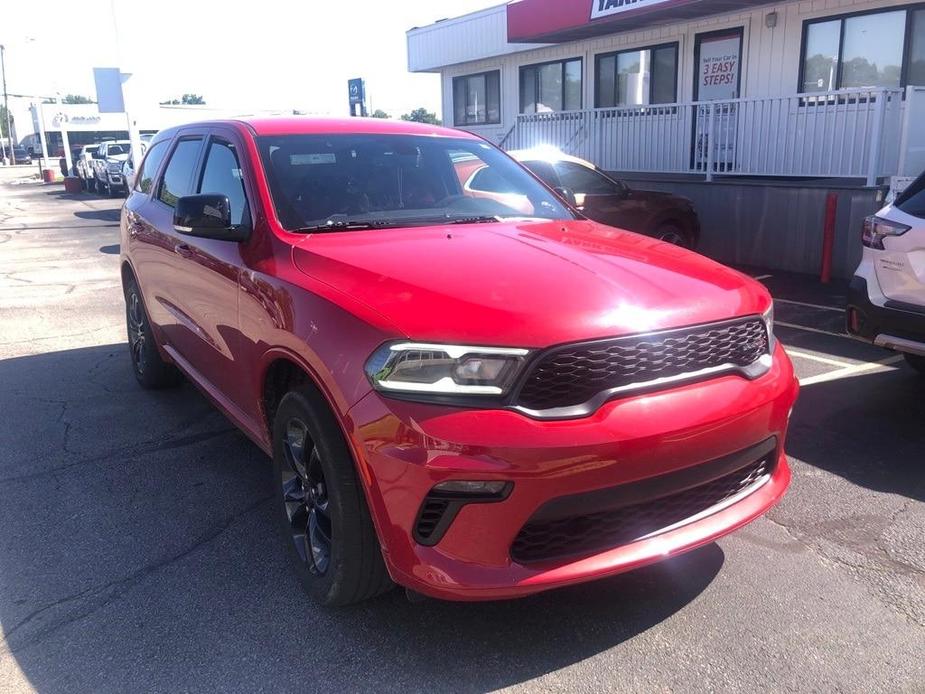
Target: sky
<point x="274" y="54"/>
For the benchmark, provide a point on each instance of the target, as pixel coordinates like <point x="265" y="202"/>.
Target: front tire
<point x="916" y="361"/>
<point x="671" y="232"/>
<point x="150" y="369"/>
<point x="324" y="519"/>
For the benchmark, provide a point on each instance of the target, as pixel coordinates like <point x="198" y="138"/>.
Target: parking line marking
<point x="762" y="277"/>
<point x="804" y="303"/>
<point x="882" y="365"/>
<point x="813" y="330"/>
<point x="815" y="357"/>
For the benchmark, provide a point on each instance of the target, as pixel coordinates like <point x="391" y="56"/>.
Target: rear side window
<point x="912" y="199"/>
<point x="144" y="180"/>
<point x="222" y="174"/>
<point x="581" y="179"/>
<point x="178" y="176"/>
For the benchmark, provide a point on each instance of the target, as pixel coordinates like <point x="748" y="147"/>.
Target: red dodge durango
<point x="473" y="394"/>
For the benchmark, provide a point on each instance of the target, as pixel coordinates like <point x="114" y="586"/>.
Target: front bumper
<point x="404" y="449"/>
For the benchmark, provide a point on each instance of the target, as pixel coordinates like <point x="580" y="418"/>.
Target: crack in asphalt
<point x="121" y="454"/>
<point x="111" y="591"/>
<point x="857" y="569"/>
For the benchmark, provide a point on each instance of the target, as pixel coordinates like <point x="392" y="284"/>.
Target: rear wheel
<point x="324" y="519"/>
<point x="672" y="232"/>
<point x="151" y="371"/>
<point x="916" y="361"/>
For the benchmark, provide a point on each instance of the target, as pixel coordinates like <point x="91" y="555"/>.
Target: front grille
<point x="595" y="532"/>
<point x="574" y="374"/>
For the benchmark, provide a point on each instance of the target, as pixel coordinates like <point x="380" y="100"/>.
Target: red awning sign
<point x="605" y="8"/>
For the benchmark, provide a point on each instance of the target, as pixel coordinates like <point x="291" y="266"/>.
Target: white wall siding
<point x="470" y="37"/>
<point x="771" y="56"/>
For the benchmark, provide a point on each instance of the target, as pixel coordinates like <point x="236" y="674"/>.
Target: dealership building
<point x="756" y="111"/>
<point x="86" y="124"/>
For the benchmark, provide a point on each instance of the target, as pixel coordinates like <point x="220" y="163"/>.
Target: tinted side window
<point x="222" y="174"/>
<point x="545" y="172"/>
<point x="912" y="199"/>
<point x="144" y="180"/>
<point x="178" y="176"/>
<point x="581" y="179"/>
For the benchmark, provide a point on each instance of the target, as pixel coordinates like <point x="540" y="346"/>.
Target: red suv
<point x="474" y="394"/>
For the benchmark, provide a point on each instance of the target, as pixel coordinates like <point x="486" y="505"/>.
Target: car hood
<point x="117" y="158"/>
<point x="529" y="284"/>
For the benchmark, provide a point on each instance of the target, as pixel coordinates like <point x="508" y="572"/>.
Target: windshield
<point x="339" y="181"/>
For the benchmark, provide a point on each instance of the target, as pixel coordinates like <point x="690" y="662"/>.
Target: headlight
<point x="412" y="367"/>
<point x="877" y="228"/>
<point x="768" y="318"/>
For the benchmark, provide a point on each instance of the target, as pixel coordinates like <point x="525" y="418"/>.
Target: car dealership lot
<point x="137" y="546"/>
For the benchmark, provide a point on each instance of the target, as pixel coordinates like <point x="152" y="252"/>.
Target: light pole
<point x="6" y="103"/>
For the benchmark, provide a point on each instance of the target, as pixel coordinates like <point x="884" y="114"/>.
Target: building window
<point x="638" y="77"/>
<point x="551" y="87"/>
<point x="477" y="99"/>
<point x="864" y="51"/>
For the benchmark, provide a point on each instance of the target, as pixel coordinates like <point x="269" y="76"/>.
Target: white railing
<point x="848" y="133"/>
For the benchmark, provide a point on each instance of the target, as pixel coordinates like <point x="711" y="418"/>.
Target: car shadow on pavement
<point x="138" y="550"/>
<point x="100" y="215"/>
<point x="865" y="428"/>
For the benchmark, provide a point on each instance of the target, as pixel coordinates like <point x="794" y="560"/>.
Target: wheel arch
<point x="280" y="370"/>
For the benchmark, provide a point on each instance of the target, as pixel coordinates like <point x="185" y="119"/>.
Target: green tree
<point x="185" y="100"/>
<point x="422" y="115"/>
<point x="379" y="113"/>
<point x="76" y="99"/>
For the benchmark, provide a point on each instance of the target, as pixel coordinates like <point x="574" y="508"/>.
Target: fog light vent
<point x="429" y="518"/>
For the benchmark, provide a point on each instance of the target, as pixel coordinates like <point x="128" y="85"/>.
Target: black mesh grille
<point x="574" y="374"/>
<point x="594" y="532"/>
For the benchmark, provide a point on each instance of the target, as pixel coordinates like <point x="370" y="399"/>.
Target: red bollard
<point x="828" y="237"/>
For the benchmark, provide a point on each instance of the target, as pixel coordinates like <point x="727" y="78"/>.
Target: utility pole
<point x="6" y="103"/>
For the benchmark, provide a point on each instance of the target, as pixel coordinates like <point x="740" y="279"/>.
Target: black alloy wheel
<point x="673" y="234"/>
<point x="149" y="367"/>
<point x="324" y="521"/>
<point x="306" y="499"/>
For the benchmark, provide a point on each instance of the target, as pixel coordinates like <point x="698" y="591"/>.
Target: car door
<point x="207" y="296"/>
<point x="154" y="243"/>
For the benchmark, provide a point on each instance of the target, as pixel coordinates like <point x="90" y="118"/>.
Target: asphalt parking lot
<point x="137" y="546"/>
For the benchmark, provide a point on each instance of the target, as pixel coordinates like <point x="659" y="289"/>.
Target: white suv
<point x="886" y="299"/>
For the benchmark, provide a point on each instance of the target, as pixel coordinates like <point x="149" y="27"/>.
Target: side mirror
<point x="207" y="216"/>
<point x="566" y="195"/>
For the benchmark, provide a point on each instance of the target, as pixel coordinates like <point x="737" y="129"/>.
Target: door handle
<point x="183" y="250"/>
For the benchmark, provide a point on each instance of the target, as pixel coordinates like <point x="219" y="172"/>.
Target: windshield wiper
<point x="340" y="222"/>
<point x="474" y="219"/>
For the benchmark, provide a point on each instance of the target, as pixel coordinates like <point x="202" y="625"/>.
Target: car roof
<point x="303" y="125"/>
<point x="550" y="154"/>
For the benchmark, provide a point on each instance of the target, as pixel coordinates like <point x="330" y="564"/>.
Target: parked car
<point x="107" y="166"/>
<point x="604" y="199"/>
<point x="128" y="166"/>
<point x="19" y="156"/>
<point x="83" y="165"/>
<point x="475" y="395"/>
<point x="886" y="297"/>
